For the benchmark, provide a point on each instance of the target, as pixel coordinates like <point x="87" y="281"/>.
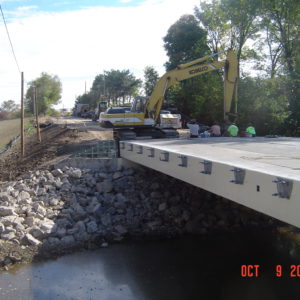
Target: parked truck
<point x="80" y="109"/>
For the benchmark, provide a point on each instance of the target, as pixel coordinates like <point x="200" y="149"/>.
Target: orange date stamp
<point x="250" y="271"/>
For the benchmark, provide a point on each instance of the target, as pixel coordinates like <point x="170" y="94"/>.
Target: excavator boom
<point x="192" y="69"/>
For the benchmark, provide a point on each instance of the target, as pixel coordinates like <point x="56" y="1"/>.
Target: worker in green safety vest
<point x="233" y="130"/>
<point x="251" y="130"/>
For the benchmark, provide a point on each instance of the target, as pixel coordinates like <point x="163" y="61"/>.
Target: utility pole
<point x="22" y="116"/>
<point x="104" y="85"/>
<point x="38" y="133"/>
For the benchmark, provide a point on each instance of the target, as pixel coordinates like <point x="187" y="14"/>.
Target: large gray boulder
<point x="32" y="240"/>
<point x="6" y="211"/>
<point x="105" y="186"/>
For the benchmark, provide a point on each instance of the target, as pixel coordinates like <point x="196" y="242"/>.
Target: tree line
<point x="119" y="87"/>
<point x="265" y="37"/>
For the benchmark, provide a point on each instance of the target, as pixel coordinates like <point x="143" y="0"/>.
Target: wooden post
<point x="38" y="133"/>
<point x="22" y="116"/>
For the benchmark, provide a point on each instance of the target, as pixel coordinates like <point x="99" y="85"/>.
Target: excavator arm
<point x="192" y="69"/>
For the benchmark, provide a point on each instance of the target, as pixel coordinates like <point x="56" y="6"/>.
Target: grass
<point x="11" y="128"/>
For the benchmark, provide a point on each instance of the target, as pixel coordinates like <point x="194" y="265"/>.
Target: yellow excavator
<point x="144" y="116"/>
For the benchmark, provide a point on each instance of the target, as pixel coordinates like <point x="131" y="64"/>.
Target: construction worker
<point x="194" y="128"/>
<point x="251" y="130"/>
<point x="233" y="130"/>
<point x="215" y="130"/>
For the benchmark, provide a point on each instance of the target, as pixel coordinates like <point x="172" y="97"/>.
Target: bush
<point x="52" y="112"/>
<point x="4" y="115"/>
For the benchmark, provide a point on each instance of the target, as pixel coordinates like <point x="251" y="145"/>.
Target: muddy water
<point x="187" y="268"/>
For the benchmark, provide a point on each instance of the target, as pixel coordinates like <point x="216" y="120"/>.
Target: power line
<point x="12" y="48"/>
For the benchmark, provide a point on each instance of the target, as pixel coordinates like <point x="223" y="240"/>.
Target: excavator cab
<point x="138" y="105"/>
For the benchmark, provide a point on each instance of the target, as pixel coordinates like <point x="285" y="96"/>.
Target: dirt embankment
<point x="57" y="141"/>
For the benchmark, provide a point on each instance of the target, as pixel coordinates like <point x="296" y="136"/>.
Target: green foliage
<point x="16" y="114"/>
<point x="241" y="17"/>
<point x="272" y="26"/>
<point x="199" y="97"/>
<point x="9" y="110"/>
<point x="185" y="41"/>
<point x="229" y="23"/>
<point x="9" y="106"/>
<point x="264" y="103"/>
<point x="48" y="92"/>
<point x="284" y="17"/>
<point x="150" y="78"/>
<point x="284" y="20"/>
<point x="52" y="112"/>
<point x="114" y="86"/>
<point x="86" y="99"/>
<point x="212" y="18"/>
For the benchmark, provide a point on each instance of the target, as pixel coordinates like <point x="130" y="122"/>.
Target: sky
<point x="76" y="40"/>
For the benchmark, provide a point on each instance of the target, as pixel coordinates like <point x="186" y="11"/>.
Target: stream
<point x="192" y="267"/>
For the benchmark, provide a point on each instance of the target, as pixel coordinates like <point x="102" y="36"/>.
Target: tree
<point x="98" y="90"/>
<point x="285" y="18"/>
<point x="230" y="23"/>
<point x="9" y="106"/>
<point x="185" y="41"/>
<point x="150" y="78"/>
<point x="263" y="101"/>
<point x="48" y="91"/>
<point x="280" y="33"/>
<point x="242" y="19"/>
<point x="85" y="99"/>
<point x="114" y="86"/>
<point x="199" y="97"/>
<point x="8" y="110"/>
<point x="270" y="58"/>
<point x="212" y="19"/>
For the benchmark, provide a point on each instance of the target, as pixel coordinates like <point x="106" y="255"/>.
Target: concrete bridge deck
<point x="260" y="173"/>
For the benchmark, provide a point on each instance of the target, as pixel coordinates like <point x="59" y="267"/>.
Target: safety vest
<point x="233" y="130"/>
<point x="251" y="130"/>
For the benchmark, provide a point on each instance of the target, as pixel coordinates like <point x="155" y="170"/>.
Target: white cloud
<point x="78" y="45"/>
<point x="61" y="3"/>
<point x="26" y="8"/>
<point x="125" y="1"/>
